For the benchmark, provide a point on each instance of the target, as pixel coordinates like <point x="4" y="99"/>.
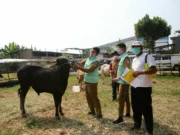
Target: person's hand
<point x="115" y="79"/>
<point x="137" y="73"/>
<point x="75" y="65"/>
<point x="116" y="58"/>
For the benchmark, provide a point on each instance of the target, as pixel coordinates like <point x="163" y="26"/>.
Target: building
<point x="30" y="54"/>
<point x="161" y="45"/>
<point x="72" y="51"/>
<point x="109" y="47"/>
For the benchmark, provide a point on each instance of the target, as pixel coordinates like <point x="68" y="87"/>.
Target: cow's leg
<point x="60" y="107"/>
<point x="57" y="104"/>
<point x="22" y="94"/>
<point x="102" y="75"/>
<point x="102" y="78"/>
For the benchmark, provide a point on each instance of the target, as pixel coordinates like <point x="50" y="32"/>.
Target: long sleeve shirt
<point x="113" y="68"/>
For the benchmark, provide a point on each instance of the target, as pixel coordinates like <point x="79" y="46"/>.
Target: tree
<point x="178" y="32"/>
<point x="119" y="41"/>
<point x="151" y="30"/>
<point x="11" y="50"/>
<point x="110" y="50"/>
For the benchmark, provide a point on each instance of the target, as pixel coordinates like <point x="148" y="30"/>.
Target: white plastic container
<point x="76" y="88"/>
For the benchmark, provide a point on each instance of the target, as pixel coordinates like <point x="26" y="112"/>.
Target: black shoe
<point x="127" y="115"/>
<point x="119" y="121"/>
<point x="113" y="100"/>
<point x="148" y="133"/>
<point x="134" y="128"/>
<point x="99" y="116"/>
<point x="91" y="113"/>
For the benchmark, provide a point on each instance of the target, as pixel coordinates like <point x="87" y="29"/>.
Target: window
<point x="157" y="58"/>
<point x="166" y="58"/>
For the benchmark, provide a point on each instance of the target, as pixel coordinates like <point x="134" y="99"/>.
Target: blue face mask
<point x="136" y="50"/>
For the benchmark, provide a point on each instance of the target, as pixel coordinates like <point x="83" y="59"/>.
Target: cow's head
<point x="63" y="62"/>
<point x="73" y="63"/>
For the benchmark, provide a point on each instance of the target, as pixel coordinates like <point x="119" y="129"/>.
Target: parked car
<point x="165" y="62"/>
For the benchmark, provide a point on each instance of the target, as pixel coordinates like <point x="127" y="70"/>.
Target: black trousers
<point x="142" y="105"/>
<point x="115" y="87"/>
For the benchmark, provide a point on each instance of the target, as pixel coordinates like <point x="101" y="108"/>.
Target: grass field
<point x="166" y="106"/>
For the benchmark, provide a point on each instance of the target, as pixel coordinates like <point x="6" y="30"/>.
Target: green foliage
<point x="9" y="67"/>
<point x="32" y="123"/>
<point x="177" y="31"/>
<point x="119" y="41"/>
<point x="67" y="55"/>
<point x="151" y="30"/>
<point x="35" y="48"/>
<point x="110" y="50"/>
<point x="83" y="56"/>
<point x="11" y="50"/>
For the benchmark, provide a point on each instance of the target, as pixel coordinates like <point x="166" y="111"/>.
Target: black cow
<point x="52" y="80"/>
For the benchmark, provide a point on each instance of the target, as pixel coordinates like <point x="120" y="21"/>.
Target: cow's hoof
<point x="24" y="115"/>
<point x="57" y="118"/>
<point x="61" y="113"/>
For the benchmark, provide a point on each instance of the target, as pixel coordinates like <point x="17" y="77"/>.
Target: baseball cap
<point x="136" y="43"/>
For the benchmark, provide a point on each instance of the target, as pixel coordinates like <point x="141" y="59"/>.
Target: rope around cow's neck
<point x="63" y="64"/>
<point x="58" y="67"/>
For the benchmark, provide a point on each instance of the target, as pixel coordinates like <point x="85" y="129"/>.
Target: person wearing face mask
<point x="141" y="95"/>
<point x="90" y="68"/>
<point x="123" y="94"/>
<point x="113" y="73"/>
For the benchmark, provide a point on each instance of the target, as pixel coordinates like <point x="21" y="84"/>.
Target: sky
<point x="57" y="24"/>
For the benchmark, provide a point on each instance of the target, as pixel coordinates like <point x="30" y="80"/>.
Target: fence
<point x="167" y="67"/>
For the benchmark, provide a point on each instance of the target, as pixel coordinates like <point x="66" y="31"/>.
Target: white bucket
<point x="76" y="88"/>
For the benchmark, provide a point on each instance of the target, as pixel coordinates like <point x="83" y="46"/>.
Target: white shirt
<point x="138" y="65"/>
